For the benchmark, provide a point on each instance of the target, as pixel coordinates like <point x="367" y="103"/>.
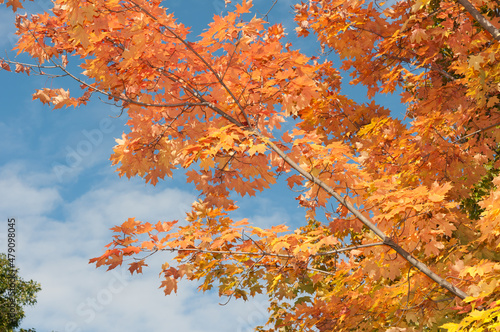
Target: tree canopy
<point x="414" y="242"/>
<point x="15" y="293"/>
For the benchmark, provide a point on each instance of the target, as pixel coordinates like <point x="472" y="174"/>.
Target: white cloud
<point x="75" y="295"/>
<point x="20" y="198"/>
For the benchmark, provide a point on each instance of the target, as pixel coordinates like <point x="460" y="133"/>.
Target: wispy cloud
<point x="22" y="199"/>
<point x="76" y="296"/>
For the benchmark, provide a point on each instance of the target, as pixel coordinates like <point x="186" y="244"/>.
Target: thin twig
<point x="476" y="132"/>
<point x="209" y="67"/>
<point x="348" y="248"/>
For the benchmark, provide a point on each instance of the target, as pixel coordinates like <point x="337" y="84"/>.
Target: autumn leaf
<point x="475" y="61"/>
<point x="61" y="98"/>
<point x="15" y="4"/>
<point x="43" y="95"/>
<point x="244" y="7"/>
<point x="137" y="267"/>
<point x="437" y="193"/>
<point x="4" y="65"/>
<point x="169" y="285"/>
<point x="418" y="35"/>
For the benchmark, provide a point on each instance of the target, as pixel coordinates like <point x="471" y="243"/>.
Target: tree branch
<point x="367" y="222"/>
<point x="480" y="19"/>
<point x="476" y="132"/>
<point x="336" y="251"/>
<point x="209" y="67"/>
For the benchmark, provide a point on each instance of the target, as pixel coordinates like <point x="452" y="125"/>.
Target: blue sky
<point x="56" y="180"/>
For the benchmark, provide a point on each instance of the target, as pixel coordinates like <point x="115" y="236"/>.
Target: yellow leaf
<point x="419" y="4"/>
<point x="475" y="61"/>
<point x="275" y="282"/>
<point x="281" y="244"/>
<point x="450" y="327"/>
<point x="478" y="314"/>
<point x="260" y="148"/>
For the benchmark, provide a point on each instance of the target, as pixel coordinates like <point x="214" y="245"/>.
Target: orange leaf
<point x="15" y="4"/>
<point x="137" y="267"/>
<point x="244" y="7"/>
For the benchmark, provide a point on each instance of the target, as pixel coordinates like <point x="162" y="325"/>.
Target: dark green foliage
<point x="14" y="294"/>
<point x="482" y="188"/>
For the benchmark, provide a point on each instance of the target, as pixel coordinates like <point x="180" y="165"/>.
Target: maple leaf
<point x="43" y="95"/>
<point x="244" y="7"/>
<point x="294" y="180"/>
<point x="257" y="148"/>
<point x="419" y="4"/>
<point x="61" y="98"/>
<point x="475" y="61"/>
<point x="148" y="245"/>
<point x="4" y="65"/>
<point x="137" y="267"/>
<point x="81" y="36"/>
<point x="418" y="35"/>
<point x="19" y="68"/>
<point x="169" y="285"/>
<point x="437" y="193"/>
<point x="15" y="4"/>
